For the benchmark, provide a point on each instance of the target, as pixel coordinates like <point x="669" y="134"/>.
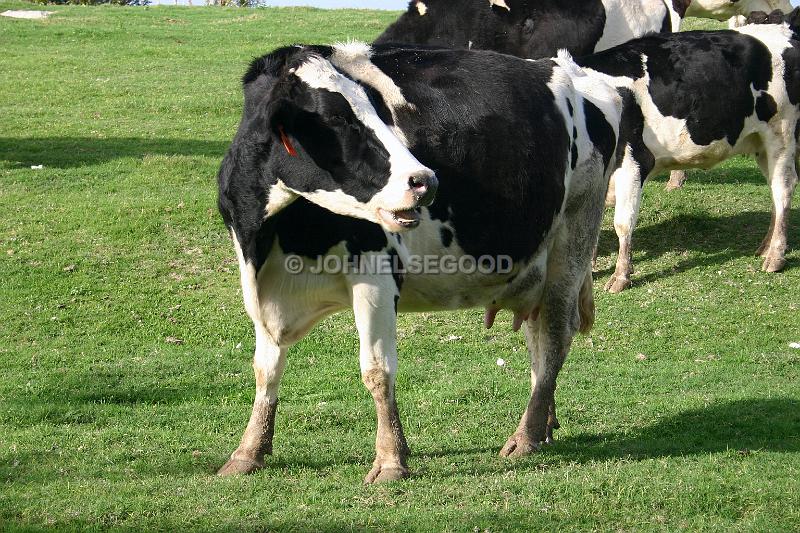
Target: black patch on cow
<point x="574" y="133"/>
<point x="700" y="76"/>
<point x="529" y="29"/>
<point x="666" y="24"/>
<point x="797" y="131"/>
<point x="397" y="271"/>
<point x="279" y="60"/>
<point x="574" y="156"/>
<point x="766" y="108"/>
<point x="306" y="229"/>
<point x="600" y="132"/>
<point x="461" y="132"/>
<point x="791" y="73"/>
<point x="680" y="6"/>
<point x="617" y="61"/>
<point x="631" y="129"/>
<point x="377" y="101"/>
<point x="569" y="109"/>
<point x="446" y="235"/>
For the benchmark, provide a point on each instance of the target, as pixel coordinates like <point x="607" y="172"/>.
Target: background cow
<point x="315" y="131"/>
<point x="539" y="28"/>
<point x="694" y="99"/>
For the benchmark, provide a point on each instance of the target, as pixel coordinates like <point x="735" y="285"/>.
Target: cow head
<point x="309" y="130"/>
<point x="725" y="9"/>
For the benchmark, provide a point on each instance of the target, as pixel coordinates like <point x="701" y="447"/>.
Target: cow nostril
<point x="418" y="181"/>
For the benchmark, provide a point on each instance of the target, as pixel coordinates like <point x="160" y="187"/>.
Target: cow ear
<point x="282" y="120"/>
<point x="286" y="141"/>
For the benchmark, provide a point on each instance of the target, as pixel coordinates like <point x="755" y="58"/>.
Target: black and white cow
<point x="539" y="28"/>
<point x="350" y="130"/>
<point x="694" y="99"/>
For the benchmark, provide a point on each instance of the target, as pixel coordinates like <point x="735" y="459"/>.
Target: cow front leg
<point x="626" y="212"/>
<point x="373" y="306"/>
<point x="548" y="342"/>
<point x="269" y="362"/>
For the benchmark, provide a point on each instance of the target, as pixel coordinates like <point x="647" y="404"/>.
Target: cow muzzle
<point x="419" y="191"/>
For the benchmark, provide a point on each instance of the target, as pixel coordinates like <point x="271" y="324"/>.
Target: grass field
<point x="125" y="375"/>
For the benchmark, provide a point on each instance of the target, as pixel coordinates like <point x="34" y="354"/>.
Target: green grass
<point x="115" y="247"/>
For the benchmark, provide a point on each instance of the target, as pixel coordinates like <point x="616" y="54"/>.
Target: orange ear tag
<point x="287" y="143"/>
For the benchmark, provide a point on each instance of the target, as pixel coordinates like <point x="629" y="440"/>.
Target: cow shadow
<point x="71" y="152"/>
<point x="714" y="239"/>
<point x="740" y="427"/>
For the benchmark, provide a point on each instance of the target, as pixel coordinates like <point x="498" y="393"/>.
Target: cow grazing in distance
<point x="539" y="28"/>
<point x="694" y="99"/>
<point x="350" y="130"/>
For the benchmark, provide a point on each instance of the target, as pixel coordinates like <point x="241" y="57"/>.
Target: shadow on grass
<point x="69" y="152"/>
<point x="743" y="427"/>
<point x="717" y="239"/>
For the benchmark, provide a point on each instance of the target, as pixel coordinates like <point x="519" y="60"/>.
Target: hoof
<point x="519" y="445"/>
<point x="550" y="427"/>
<point x="773" y="264"/>
<point x="380" y="474"/>
<point x="617" y="284"/>
<point x="239" y="466"/>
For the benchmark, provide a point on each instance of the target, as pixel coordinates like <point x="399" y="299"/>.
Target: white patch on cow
<point x="279" y="197"/>
<point x="563" y="90"/>
<point x="422" y="8"/>
<point x="319" y="73"/>
<point x="499" y="3"/>
<point x="354" y="60"/>
<point x="570" y="81"/>
<point x="373" y="310"/>
<point x="247" y="275"/>
<point x="775" y="36"/>
<point x="736" y="22"/>
<point x="626" y="20"/>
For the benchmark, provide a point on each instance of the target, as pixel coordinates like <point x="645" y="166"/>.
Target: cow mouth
<point x="400" y="219"/>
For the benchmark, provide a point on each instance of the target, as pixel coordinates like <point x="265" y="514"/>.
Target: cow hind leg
<point x="783" y="180"/>
<point x="626" y="212"/>
<point x="676" y="180"/>
<point x="549" y="338"/>
<point x="761" y="159"/>
<point x="269" y="362"/>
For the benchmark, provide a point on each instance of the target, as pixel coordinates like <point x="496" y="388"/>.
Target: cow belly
<point x="449" y="291"/>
